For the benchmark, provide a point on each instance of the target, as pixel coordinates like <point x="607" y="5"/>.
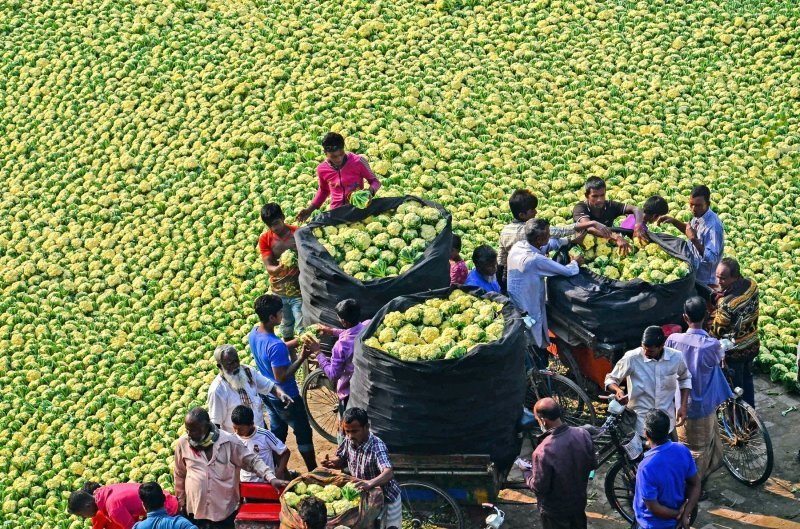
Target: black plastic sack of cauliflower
<point x="469" y="405"/>
<point x="323" y="283"/>
<point x="619" y="311"/>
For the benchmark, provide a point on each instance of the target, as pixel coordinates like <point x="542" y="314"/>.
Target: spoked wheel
<point x="576" y="406"/>
<point x="563" y="363"/>
<point x="426" y="506"/>
<point x="620" y="486"/>
<point x="746" y="446"/>
<point x="322" y="403"/>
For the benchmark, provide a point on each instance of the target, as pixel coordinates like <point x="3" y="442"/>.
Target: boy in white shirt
<point x="261" y="442"/>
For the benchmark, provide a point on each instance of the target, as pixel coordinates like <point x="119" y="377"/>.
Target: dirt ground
<point x="730" y="505"/>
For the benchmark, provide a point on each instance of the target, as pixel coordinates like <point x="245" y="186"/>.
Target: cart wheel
<point x="564" y="363"/>
<point x="746" y="445"/>
<point x="426" y="506"/>
<point x="322" y="403"/>
<point x="620" y="485"/>
<point x="576" y="406"/>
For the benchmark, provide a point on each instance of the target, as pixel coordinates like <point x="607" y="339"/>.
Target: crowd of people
<point x="229" y="441"/>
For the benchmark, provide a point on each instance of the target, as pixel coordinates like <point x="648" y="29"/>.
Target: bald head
<point x="197" y="416"/>
<point x="547" y="409"/>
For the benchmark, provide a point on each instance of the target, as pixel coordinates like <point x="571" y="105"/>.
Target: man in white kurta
<point x="528" y="266"/>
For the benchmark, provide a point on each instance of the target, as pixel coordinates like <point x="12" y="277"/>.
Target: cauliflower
<point x="430" y="352"/>
<point x="414" y="314"/>
<point x="351" y="268"/>
<point x="603" y="250"/>
<point x="381" y="240"/>
<point x="652" y="249"/>
<point x="430" y="215"/>
<point x="464" y="303"/>
<point x="318" y="233"/>
<point x="418" y="245"/>
<point x="444" y="343"/>
<point x="494" y="331"/>
<point x="412" y="220"/>
<point x="441" y="225"/>
<point x="394" y="229"/>
<point x="448" y="307"/>
<point x="330" y="230"/>
<point x="428" y="233"/>
<point x="394" y="319"/>
<point x="431" y="316"/>
<point x="334" y="492"/>
<point x="455" y="352"/>
<point x="301" y="489"/>
<point x="331" y="512"/>
<point x="407" y="207"/>
<point x="314" y="489"/>
<point x="451" y="333"/>
<point x="403" y="269"/>
<point x="435" y="303"/>
<point x="291" y="499"/>
<point x="408" y="255"/>
<point x="473" y="333"/>
<point x="373" y="342"/>
<point x="459" y="321"/>
<point x="455" y="294"/>
<point x="408" y="353"/>
<point x="393" y="348"/>
<point x="611" y="272"/>
<point x="429" y="334"/>
<point x="341" y="506"/>
<point x="388" y="256"/>
<point x="361" y="241"/>
<point x="409" y="235"/>
<point x="396" y="244"/>
<point x="387" y="334"/>
<point x="393" y="271"/>
<point x="374" y="228"/>
<point x="409" y="337"/>
<point x="372" y="253"/>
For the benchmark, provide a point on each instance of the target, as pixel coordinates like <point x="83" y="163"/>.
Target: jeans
<point x="742" y="377"/>
<point x="292" y="317"/>
<point x="295" y="415"/>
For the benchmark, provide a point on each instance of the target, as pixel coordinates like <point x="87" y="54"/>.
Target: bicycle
<point x="320" y="397"/>
<point x="746" y="445"/>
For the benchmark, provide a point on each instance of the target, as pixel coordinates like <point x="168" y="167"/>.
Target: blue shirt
<point x="712" y="235"/>
<point x="475" y="279"/>
<point x="702" y="355"/>
<point x="159" y="519"/>
<point x="270" y="351"/>
<point x="662" y="476"/>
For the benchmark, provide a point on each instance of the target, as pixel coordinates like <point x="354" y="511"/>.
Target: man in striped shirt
<point x="523" y="206"/>
<point x="262" y="443"/>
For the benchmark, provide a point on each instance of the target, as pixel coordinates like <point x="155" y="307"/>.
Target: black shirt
<point x="606" y="215"/>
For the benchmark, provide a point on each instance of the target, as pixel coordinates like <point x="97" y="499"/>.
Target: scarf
<point x="210" y="439"/>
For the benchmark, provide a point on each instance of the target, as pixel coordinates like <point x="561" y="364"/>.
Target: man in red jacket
<point x="339" y="176"/>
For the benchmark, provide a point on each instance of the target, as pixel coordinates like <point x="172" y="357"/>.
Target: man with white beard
<point x="238" y="385"/>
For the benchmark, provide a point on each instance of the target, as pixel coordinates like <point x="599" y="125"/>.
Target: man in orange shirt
<point x="283" y="278"/>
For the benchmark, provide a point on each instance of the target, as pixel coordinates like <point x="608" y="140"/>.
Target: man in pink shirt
<point x="339" y="176"/>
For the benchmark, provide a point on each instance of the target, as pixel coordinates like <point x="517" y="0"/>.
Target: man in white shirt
<point x="262" y="443"/>
<point x="653" y="373"/>
<point x="237" y="384"/>
<point x="528" y="266"/>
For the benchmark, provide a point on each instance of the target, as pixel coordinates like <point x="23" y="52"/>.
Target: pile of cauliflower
<point x="439" y="329"/>
<point x="649" y="263"/>
<point x="383" y="245"/>
<point x="338" y="500"/>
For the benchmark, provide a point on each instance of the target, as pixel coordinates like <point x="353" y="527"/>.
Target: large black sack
<point x="323" y="284"/>
<point x="619" y="311"/>
<point x="469" y="405"/>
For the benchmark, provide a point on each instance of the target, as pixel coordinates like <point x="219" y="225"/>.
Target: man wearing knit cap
<point x="653" y="372"/>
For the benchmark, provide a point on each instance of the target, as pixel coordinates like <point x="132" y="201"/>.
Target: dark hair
<point x="549" y="411"/>
<point x="522" y="201"/>
<point x="349" y="310"/>
<point x="456" y="242"/>
<point x="271" y="212"/>
<point x="242" y="416"/>
<point x="356" y="415"/>
<point x="594" y="183"/>
<point x="701" y="191"/>
<point x="199" y="415"/>
<point x="483" y="254"/>
<point x="81" y="500"/>
<point x="313" y="512"/>
<point x="534" y="229"/>
<point x="152" y="496"/>
<point x="655" y="205"/>
<point x="332" y="142"/>
<point x="656" y="426"/>
<point x="266" y="306"/>
<point x="732" y="265"/>
<point x="695" y="309"/>
<point x="653" y="336"/>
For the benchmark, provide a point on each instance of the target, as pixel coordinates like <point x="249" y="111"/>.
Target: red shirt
<point x="271" y="245"/>
<point x="119" y="506"/>
<point x="340" y="183"/>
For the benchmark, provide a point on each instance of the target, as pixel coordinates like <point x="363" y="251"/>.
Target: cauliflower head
<point x="431" y="316"/>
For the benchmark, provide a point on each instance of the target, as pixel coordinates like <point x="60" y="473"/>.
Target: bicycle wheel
<point x="322" y="403"/>
<point x="620" y="486"/>
<point x="576" y="406"/>
<point x="563" y="363"/>
<point x="426" y="506"/>
<point x="746" y="446"/>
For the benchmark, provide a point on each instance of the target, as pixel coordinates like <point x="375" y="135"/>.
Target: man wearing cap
<point x="653" y="373"/>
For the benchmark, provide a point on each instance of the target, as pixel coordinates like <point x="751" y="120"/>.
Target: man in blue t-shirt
<point x="275" y="362"/>
<point x="667" y="484"/>
<point x="484" y="275"/>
